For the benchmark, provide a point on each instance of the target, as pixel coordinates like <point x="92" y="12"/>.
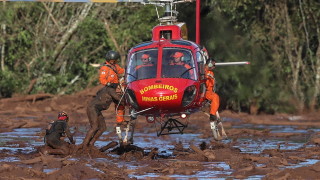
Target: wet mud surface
<point x="258" y="147"/>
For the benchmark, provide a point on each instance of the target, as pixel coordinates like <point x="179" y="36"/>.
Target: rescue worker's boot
<point x="119" y="133"/>
<point x="129" y="128"/>
<point x="213" y="118"/>
<point x="217" y="128"/>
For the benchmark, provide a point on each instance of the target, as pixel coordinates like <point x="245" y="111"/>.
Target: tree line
<point x="48" y="47"/>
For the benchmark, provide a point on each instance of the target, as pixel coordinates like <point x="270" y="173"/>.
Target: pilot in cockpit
<point x="146" y="61"/>
<point x="178" y="60"/>
<point x="146" y="69"/>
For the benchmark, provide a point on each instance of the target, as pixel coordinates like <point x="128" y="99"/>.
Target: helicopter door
<point x="142" y="65"/>
<point x="178" y="63"/>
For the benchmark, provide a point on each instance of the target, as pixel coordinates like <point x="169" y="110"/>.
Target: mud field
<point x="258" y="147"/>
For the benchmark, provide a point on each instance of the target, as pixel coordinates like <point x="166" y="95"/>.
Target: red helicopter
<point x="159" y="89"/>
<point x="162" y="90"/>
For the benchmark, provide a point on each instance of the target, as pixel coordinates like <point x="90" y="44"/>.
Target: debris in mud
<point x="127" y="148"/>
<point x="109" y="146"/>
<point x="153" y="154"/>
<point x="203" y="146"/>
<point x="132" y="155"/>
<point x="209" y="155"/>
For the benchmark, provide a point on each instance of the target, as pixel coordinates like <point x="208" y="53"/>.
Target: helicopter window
<point x="142" y="65"/>
<point x="178" y="63"/>
<point x="201" y="61"/>
<point x="200" y="57"/>
<point x="166" y="34"/>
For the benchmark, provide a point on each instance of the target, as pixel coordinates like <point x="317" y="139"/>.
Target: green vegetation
<point x="48" y="47"/>
<point x="281" y="40"/>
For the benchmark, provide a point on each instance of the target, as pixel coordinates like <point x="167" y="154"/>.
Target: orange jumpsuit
<point x="108" y="76"/>
<point x="210" y="94"/>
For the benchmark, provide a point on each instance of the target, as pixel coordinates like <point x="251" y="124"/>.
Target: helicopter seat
<point x="175" y="71"/>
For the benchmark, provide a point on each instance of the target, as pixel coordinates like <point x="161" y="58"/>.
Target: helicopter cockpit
<point x="176" y="63"/>
<point x="143" y="65"/>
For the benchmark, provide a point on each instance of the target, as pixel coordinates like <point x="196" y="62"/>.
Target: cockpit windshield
<point x="143" y="65"/>
<point x="178" y="63"/>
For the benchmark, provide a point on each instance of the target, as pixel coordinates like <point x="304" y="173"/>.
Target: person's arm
<point x="49" y="127"/>
<point x="69" y="134"/>
<point x="120" y="70"/>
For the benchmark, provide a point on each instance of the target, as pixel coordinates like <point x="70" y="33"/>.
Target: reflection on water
<point x="25" y="140"/>
<point x="9" y="159"/>
<point x="45" y="170"/>
<point x="301" y="164"/>
<point x="256" y="146"/>
<point x="10" y="141"/>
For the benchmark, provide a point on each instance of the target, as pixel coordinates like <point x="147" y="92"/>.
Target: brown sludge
<point x="38" y="110"/>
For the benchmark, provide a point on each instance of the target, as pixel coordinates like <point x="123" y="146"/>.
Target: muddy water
<point x="25" y="140"/>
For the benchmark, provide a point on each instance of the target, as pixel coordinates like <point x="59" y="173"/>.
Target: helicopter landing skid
<point x="171" y="126"/>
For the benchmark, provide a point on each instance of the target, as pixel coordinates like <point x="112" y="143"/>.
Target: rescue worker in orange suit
<point x="178" y="61"/>
<point x="109" y="77"/>
<point x="210" y="93"/>
<point x="146" y="61"/>
<point x="55" y="133"/>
